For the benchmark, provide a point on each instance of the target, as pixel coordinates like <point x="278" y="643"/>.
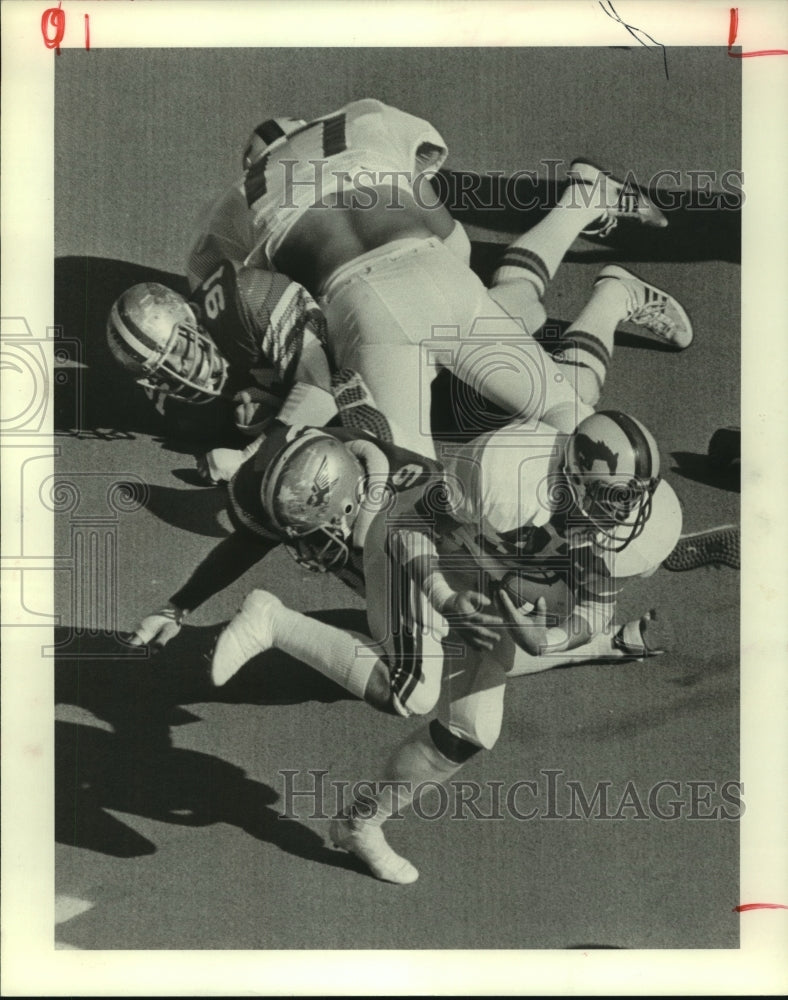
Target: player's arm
<point x="592" y="614"/>
<point x="531" y="633"/>
<point x="220" y="464"/>
<point x="228" y="561"/>
<point x="465" y="610"/>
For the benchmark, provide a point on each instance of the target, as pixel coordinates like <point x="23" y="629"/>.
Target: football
<point x="525" y="586"/>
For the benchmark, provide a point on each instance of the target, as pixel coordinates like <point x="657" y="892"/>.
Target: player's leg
<point x="592" y="200"/>
<point x="359" y="829"/>
<point x="469" y="720"/>
<point x="410" y="632"/>
<point x="264" y="623"/>
<point x="377" y="312"/>
<point x="618" y="297"/>
<point x="399" y="670"/>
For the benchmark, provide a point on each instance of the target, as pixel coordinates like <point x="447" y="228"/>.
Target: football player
<point x="250" y="338"/>
<point x="440" y="555"/>
<point x="341" y="204"/>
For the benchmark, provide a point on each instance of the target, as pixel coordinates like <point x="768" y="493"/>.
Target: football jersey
<point x="409" y="476"/>
<point x="224" y="232"/>
<point x="360" y="145"/>
<point x="515" y="512"/>
<point x="258" y="320"/>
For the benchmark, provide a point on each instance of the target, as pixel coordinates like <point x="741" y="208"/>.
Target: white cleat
<point x="652" y="308"/>
<point x="617" y="199"/>
<point x="369" y="844"/>
<point x="248" y="634"/>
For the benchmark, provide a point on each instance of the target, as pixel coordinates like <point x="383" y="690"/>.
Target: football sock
<point x="587" y="344"/>
<point x="415" y="761"/>
<point x="339" y="655"/>
<point x="535" y="255"/>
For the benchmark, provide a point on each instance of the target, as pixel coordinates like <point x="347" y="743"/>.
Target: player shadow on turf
<point x="127" y="763"/>
<point x="97" y="771"/>
<point x="199" y="511"/>
<point x="698" y="469"/>
<point x="139" y="690"/>
<point x="701" y="226"/>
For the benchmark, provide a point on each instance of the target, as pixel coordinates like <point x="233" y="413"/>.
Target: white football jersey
<point x="364" y="144"/>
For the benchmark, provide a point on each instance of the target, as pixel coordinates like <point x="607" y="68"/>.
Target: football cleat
<point x="631" y="639"/>
<point x="713" y="547"/>
<point x="369" y="844"/>
<point x="650" y="307"/>
<point x="617" y="199"/>
<point x="356" y="406"/>
<point x="247" y="635"/>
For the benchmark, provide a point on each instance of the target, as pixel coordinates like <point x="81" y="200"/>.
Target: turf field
<point x="169" y="794"/>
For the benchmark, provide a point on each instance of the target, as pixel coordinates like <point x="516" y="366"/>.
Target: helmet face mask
<point x="611" y="464"/>
<point x="311" y="493"/>
<point x="617" y="511"/>
<point x="326" y="548"/>
<point x="154" y="333"/>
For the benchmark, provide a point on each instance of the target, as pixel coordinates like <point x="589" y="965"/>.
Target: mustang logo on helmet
<point x="588" y="452"/>
<point x="615" y="500"/>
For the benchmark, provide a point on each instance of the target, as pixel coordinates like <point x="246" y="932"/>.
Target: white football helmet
<point x="266" y="134"/>
<point x="311" y="493"/>
<point x="154" y="333"/>
<point x="611" y="463"/>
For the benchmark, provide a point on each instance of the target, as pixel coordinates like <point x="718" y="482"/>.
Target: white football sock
<point x="415" y="761"/>
<point x="589" y="339"/>
<point x="539" y="252"/>
<point x="333" y="652"/>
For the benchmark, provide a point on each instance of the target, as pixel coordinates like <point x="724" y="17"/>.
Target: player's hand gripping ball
<point x="525" y="587"/>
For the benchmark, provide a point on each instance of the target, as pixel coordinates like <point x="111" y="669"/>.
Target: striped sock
<point x="537" y="254"/>
<point x="587" y="344"/>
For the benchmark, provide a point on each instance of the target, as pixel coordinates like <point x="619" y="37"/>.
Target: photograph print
<point x="395" y="481"/>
